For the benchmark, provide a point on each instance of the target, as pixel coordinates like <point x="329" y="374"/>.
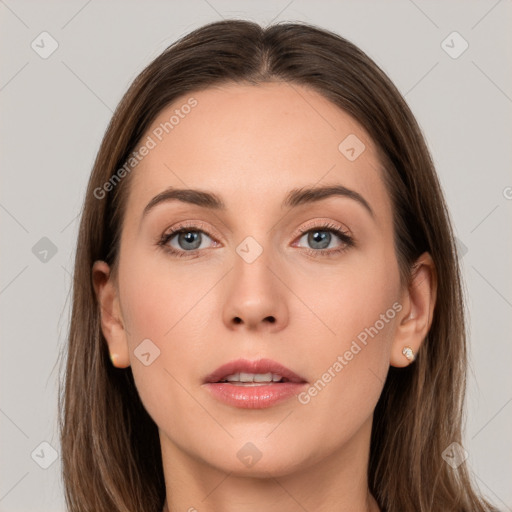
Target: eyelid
<point x="163" y="240"/>
<point x="323" y="224"/>
<point x="312" y="224"/>
<point x="193" y="225"/>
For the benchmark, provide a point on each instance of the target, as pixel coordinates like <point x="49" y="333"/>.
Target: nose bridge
<point x="255" y="296"/>
<point x="252" y="265"/>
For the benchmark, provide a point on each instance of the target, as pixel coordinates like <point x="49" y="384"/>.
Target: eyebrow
<point x="295" y="197"/>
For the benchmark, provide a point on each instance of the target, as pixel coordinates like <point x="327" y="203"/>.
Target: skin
<point x="250" y="145"/>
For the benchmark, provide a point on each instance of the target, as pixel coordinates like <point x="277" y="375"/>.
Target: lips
<point x="261" y="366"/>
<point x="273" y="384"/>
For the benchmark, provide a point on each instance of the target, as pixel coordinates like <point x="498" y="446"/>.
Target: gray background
<point x="55" y="111"/>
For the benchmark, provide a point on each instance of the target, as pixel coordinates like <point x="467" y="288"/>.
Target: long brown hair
<point x="111" y="459"/>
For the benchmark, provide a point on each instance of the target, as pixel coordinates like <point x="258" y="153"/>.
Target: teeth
<point x="253" y="377"/>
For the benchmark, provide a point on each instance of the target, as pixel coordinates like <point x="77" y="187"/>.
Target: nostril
<point x="237" y="320"/>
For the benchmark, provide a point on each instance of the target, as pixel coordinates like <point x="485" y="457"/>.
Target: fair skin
<point x="251" y="145"/>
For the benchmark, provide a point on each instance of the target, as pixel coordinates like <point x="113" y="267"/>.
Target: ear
<point x="418" y="301"/>
<point x="112" y="324"/>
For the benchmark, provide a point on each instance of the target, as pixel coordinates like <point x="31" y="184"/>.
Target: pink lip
<point x="253" y="397"/>
<point x="259" y="366"/>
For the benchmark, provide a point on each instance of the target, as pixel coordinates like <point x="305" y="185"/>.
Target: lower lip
<point x="254" y="397"/>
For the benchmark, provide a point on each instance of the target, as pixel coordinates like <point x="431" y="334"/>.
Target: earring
<point x="408" y="353"/>
<point x="113" y="358"/>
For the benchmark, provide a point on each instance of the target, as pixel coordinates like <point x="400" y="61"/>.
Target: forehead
<point x="254" y="143"/>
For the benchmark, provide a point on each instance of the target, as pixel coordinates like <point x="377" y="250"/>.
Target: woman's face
<point x="260" y="278"/>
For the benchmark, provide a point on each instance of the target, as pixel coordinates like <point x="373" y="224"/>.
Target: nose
<point x="256" y="298"/>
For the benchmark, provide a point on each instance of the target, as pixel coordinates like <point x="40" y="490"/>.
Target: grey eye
<point x="188" y="240"/>
<point x="318" y="238"/>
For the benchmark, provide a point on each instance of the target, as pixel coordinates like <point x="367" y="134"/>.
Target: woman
<point x="267" y="307"/>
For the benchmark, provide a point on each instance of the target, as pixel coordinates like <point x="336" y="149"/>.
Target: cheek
<point x="351" y="298"/>
<point x="158" y="294"/>
<point x="357" y="306"/>
<point x="171" y="304"/>
<point x="163" y="304"/>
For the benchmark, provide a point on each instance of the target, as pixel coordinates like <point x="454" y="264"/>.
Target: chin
<point x="250" y="461"/>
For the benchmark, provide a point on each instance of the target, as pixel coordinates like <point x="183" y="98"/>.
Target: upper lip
<point x="247" y="366"/>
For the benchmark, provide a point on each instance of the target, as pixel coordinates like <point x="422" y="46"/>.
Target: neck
<point x="335" y="483"/>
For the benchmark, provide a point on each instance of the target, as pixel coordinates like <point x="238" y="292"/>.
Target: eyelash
<point x="347" y="240"/>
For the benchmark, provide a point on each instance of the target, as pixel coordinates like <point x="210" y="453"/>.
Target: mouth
<point x="253" y="379"/>
<point x="253" y="384"/>
<point x="253" y="373"/>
